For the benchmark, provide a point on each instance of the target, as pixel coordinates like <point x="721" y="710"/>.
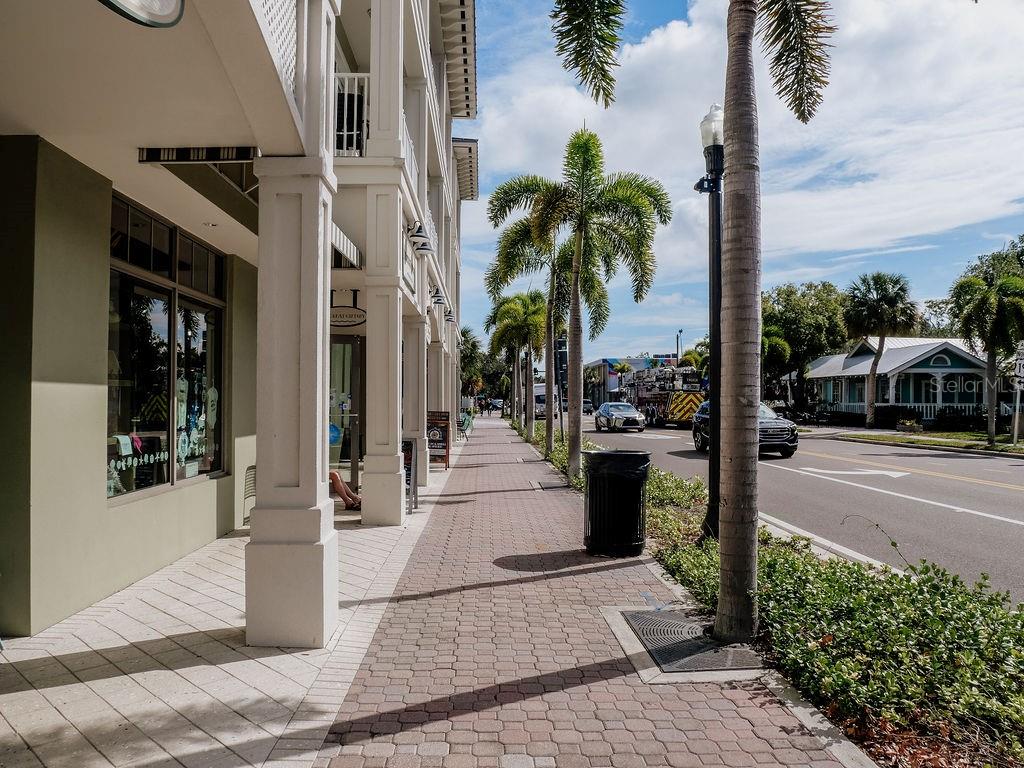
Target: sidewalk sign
<point x="412" y="491"/>
<point x="439" y="437"/>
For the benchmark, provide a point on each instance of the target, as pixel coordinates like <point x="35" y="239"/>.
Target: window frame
<point x="196" y="297"/>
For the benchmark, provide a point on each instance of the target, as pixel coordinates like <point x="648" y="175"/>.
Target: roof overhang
<point x="467" y="168"/>
<point x="458" y="33"/>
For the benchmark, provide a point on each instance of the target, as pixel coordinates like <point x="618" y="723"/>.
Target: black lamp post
<point x="712" y="132"/>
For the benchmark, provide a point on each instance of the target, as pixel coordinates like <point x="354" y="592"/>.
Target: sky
<point x="913" y="164"/>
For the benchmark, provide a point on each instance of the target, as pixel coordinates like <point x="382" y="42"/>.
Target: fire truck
<point x="665" y="395"/>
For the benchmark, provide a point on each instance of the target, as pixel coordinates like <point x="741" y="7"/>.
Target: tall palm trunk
<point x="530" y="399"/>
<point x="871" y="385"/>
<point x="575" y="376"/>
<point x="736" y="619"/>
<point x="517" y="407"/>
<point x="549" y="370"/>
<point x="991" y="393"/>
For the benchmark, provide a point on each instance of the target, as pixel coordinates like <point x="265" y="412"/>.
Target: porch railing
<point x="927" y="411"/>
<point x="409" y="153"/>
<point x="352" y="101"/>
<point x="431" y="228"/>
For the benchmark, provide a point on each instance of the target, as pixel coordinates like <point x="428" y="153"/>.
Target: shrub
<point x="923" y="651"/>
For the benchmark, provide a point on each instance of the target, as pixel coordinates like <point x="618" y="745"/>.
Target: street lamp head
<point x="712" y="127"/>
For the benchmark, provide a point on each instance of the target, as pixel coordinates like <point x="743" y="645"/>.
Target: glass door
<point x="346" y="405"/>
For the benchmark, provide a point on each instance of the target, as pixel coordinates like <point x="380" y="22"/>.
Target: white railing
<point x="431" y="228"/>
<point x="409" y="153"/>
<point x="351" y="113"/>
<point x="927" y="411"/>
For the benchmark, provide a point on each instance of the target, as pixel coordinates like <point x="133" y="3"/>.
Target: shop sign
<point x="347" y="317"/>
<point x="438" y="437"/>
<point x="412" y="491"/>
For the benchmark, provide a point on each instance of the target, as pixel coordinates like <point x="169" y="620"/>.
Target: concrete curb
<point x="940" y="448"/>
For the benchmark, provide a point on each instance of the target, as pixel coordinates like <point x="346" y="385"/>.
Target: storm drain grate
<point x="678" y="642"/>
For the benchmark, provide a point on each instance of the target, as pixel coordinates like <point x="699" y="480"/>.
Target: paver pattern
<point x="493" y="650"/>
<point x="158" y="674"/>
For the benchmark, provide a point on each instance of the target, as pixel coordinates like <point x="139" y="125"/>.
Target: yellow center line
<point x="915" y="470"/>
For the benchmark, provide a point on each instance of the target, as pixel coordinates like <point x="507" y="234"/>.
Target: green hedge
<point x="922" y="652"/>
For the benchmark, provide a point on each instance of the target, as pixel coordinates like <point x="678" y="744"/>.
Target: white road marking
<point x="856" y="472"/>
<point x="953" y="507"/>
<point x="656" y="437"/>
<point x="826" y="544"/>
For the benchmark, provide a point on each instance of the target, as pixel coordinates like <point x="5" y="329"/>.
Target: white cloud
<point x="917" y="135"/>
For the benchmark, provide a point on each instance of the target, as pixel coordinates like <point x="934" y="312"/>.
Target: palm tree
<point x="622" y="367"/>
<point x="988" y="310"/>
<point x="775" y="352"/>
<point x="795" y="34"/>
<point x="878" y="304"/>
<point x="517" y="326"/>
<point x="519" y="254"/>
<point x="470" y="361"/>
<point x="611" y="220"/>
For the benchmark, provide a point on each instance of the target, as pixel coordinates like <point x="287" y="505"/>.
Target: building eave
<point x="467" y="168"/>
<point x="458" y="32"/>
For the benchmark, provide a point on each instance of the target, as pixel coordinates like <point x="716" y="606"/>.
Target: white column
<point x="383" y="482"/>
<point x="386" y="72"/>
<point x="938" y="388"/>
<point x="893" y="381"/>
<point x="414" y="390"/>
<point x="291" y="560"/>
<point x="435" y="376"/>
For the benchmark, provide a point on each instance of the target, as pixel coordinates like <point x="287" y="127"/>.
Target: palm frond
<point x="795" y="36"/>
<point x="587" y="37"/>
<point x="515" y="194"/>
<point x="583" y="167"/>
<point x="650" y="188"/>
<point x="549" y="210"/>
<point x="516" y="254"/>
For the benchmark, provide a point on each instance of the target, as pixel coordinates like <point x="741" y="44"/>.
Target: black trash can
<point x="615" y="501"/>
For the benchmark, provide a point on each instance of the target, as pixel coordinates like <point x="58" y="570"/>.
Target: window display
<point x="162" y="409"/>
<point x="138" y="374"/>
<point x="196" y="391"/>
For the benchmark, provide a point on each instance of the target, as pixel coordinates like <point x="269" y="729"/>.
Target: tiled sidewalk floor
<point x="493" y="651"/>
<point x="158" y="674"/>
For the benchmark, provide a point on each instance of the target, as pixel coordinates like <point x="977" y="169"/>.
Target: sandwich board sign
<point x="439" y="437"/>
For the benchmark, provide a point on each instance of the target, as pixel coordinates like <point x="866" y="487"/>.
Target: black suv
<point x="774" y="433"/>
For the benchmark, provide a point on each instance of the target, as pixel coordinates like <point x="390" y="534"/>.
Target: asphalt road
<point x="963" y="511"/>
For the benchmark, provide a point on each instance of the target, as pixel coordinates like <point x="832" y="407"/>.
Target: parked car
<point x="612" y="416"/>
<point x="775" y="434"/>
<point x="588" y="406"/>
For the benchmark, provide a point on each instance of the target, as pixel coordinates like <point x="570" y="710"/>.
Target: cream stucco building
<point x="232" y="250"/>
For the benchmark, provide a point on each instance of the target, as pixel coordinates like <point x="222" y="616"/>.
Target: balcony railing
<point x="409" y="153"/>
<point x="431" y="229"/>
<point x="351" y="114"/>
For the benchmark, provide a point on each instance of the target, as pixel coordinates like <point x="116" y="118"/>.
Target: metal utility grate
<point x="678" y="642"/>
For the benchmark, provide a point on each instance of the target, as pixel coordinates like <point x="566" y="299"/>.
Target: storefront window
<point x="138" y="379"/>
<point x="162" y="410"/>
<point x="197" y="390"/>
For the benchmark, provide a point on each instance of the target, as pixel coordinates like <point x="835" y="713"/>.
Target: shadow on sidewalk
<point x="607" y="566"/>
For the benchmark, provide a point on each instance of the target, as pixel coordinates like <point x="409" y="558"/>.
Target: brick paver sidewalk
<point x="493" y="650"/>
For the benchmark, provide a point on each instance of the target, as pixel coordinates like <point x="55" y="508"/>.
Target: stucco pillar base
<point x="291" y="577"/>
<point x="383" y="491"/>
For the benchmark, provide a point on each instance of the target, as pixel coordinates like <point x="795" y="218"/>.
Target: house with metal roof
<point x="920" y="374"/>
